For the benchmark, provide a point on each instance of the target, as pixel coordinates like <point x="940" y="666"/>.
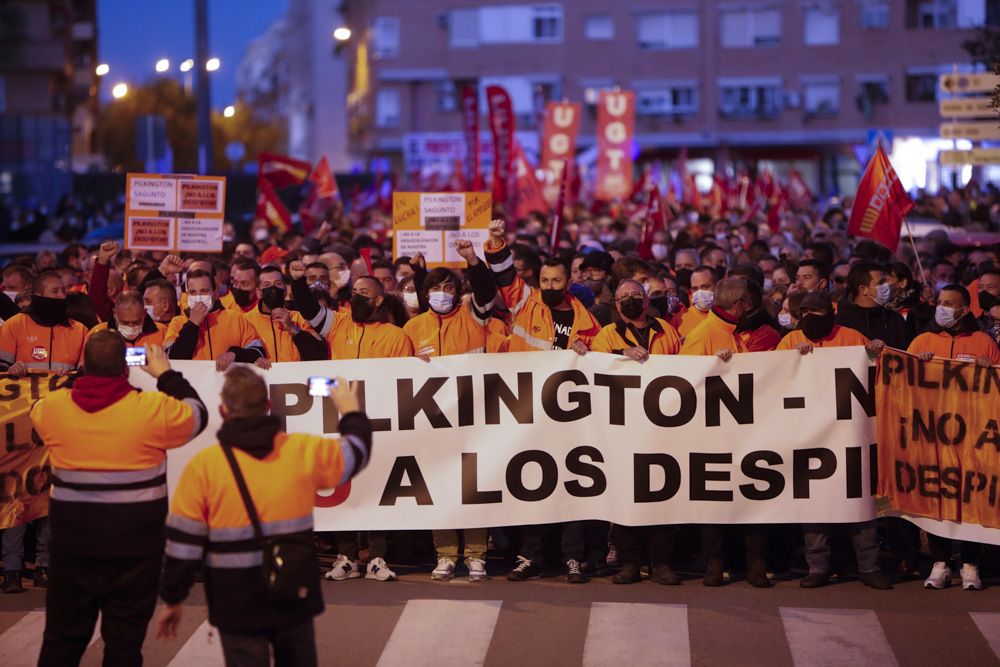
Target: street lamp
<point x="119" y="91"/>
<point x="229" y="111"/>
<point x="213" y="64"/>
<point x="162" y="65"/>
<point x="342" y="34"/>
<point x="187" y="65"/>
<point x="102" y="69"/>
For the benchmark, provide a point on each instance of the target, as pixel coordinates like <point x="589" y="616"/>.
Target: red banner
<point x="281" y="171"/>
<point x="557" y="213"/>
<point x="880" y="204"/>
<point x="270" y="207"/>
<point x="615" y="129"/>
<point x="470" y="125"/>
<point x="527" y="194"/>
<point x="559" y="133"/>
<point x="502" y="127"/>
<point x="322" y="178"/>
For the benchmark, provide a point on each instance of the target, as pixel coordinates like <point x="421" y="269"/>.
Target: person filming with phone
<point x="261" y="572"/>
<point x="108" y="443"/>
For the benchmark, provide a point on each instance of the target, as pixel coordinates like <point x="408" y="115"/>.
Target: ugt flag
<point x="880" y="204"/>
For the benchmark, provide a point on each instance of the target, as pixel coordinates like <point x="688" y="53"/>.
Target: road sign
<point x="968" y="107"/>
<point x="985" y="130"/>
<point x="968" y="83"/>
<point x="975" y="156"/>
<point x="878" y="136"/>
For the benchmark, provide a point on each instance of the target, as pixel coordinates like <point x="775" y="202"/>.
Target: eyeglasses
<point x="839" y="280"/>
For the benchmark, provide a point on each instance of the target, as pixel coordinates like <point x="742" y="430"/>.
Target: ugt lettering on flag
<point x="880" y="204"/>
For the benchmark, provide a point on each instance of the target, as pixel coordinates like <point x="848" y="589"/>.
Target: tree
<point x="168" y="98"/>
<point x="985" y="49"/>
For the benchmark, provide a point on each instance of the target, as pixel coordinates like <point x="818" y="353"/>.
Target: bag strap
<point x="241" y="484"/>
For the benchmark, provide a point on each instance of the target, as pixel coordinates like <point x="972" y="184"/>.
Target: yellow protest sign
<point x="431" y="222"/>
<point x="939" y="438"/>
<point x="174" y="212"/>
<point x="24" y="459"/>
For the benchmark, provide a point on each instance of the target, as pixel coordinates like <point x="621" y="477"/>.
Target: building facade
<point x="804" y="83"/>
<point x="48" y="95"/>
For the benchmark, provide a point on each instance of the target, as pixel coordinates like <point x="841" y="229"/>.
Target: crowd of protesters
<point x="706" y="284"/>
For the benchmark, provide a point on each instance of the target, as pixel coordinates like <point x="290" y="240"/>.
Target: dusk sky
<point x="134" y="35"/>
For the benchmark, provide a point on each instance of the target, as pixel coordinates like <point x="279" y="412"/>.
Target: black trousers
<point x="940" y="548"/>
<point x="628" y="540"/>
<point x="754" y="540"/>
<point x="123" y="591"/>
<point x="293" y="646"/>
<point x="579" y="540"/>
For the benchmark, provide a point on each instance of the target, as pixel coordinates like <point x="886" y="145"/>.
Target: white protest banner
<point x="490" y="440"/>
<point x="174" y="212"/>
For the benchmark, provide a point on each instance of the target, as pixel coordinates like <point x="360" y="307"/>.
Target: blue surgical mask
<point x="944" y="317"/>
<point x="883" y="294"/>
<point x="440" y="302"/>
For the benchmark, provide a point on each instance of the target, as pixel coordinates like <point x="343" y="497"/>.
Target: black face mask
<point x="816" y="327"/>
<point x="987" y="301"/>
<point x="273" y="297"/>
<point x="243" y="297"/>
<point x="553" y="297"/>
<point x="632" y="308"/>
<point x="660" y="304"/>
<point x="684" y="277"/>
<point x="48" y="311"/>
<point x="361" y="308"/>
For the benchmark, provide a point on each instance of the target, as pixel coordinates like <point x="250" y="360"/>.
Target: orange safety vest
<point x="617" y="337"/>
<point x="458" y="332"/>
<point x="45" y="348"/>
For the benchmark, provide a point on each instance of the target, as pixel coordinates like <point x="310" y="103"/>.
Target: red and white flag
<point x="527" y="194"/>
<point x="559" y="134"/>
<point x="270" y="208"/>
<point x="615" y="128"/>
<point x="323" y="180"/>
<point x="282" y="171"/>
<point x="880" y="204"/>
<point x="502" y="127"/>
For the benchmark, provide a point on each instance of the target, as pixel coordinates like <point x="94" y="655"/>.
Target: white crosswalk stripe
<point x="442" y="633"/>
<point x="622" y="634"/>
<point x="204" y="649"/>
<point x="834" y="637"/>
<point x="22" y="642"/>
<point x="989" y="625"/>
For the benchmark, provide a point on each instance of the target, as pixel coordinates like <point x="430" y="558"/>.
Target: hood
<point x="93" y="393"/>
<point x="254" y="435"/>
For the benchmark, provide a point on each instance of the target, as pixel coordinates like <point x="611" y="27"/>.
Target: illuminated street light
<point x="119" y="91"/>
<point x="162" y="65"/>
<point x="102" y="69"/>
<point x="187" y="65"/>
<point x="213" y="64"/>
<point x="229" y="111"/>
<point x="342" y="34"/>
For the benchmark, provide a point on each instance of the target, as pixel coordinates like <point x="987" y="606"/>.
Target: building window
<point x="748" y="28"/>
<point x="463" y="28"/>
<point x="750" y="99"/>
<point x="667" y="30"/>
<point x="875" y="15"/>
<point x="600" y="27"/>
<point x="667" y="101"/>
<point x="822" y="26"/>
<point x="592" y="88"/>
<point x="547" y="23"/>
<point x="821" y="97"/>
<point x="385" y="36"/>
<point x="921" y="87"/>
<point x="873" y="89"/>
<point x="506" y="24"/>
<point x="387" y="108"/>
<point x="932" y="14"/>
<point x="446" y="97"/>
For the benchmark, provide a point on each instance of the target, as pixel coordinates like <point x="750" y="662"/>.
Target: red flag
<point x="470" y="122"/>
<point x="798" y="192"/>
<point x="557" y="212"/>
<point x="657" y="219"/>
<point x="502" y="126"/>
<point x="270" y="208"/>
<point x="527" y="194"/>
<point x="880" y="204"/>
<point x="322" y="178"/>
<point x="366" y="254"/>
<point x="281" y="171"/>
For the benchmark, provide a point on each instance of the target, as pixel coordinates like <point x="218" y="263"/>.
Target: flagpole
<point x="920" y="265"/>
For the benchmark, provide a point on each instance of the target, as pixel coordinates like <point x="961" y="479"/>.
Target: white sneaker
<point x="344" y="568"/>
<point x="477" y="569"/>
<point x="377" y="569"/>
<point x="970" y="578"/>
<point x="940" y="576"/>
<point x="444" y="571"/>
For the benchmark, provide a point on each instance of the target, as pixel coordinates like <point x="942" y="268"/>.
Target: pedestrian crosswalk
<point x="461" y="632"/>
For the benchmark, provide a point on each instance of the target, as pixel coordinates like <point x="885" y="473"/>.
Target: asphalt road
<point x="415" y="621"/>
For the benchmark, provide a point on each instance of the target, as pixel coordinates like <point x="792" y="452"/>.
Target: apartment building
<point x="779" y="82"/>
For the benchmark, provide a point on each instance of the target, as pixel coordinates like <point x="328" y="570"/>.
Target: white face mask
<point x="343" y="278"/>
<point x="440" y="302"/>
<point x="883" y="294"/>
<point x="659" y="251"/>
<point x="785" y="320"/>
<point x="411" y="300"/>
<point x="944" y="317"/>
<point x="260" y="234"/>
<point x="703" y="300"/>
<point x="201" y="298"/>
<point x="129" y="333"/>
<point x="768" y="284"/>
<point x="149" y="311"/>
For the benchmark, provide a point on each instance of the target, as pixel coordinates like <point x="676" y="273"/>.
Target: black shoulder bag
<point x="289" y="561"/>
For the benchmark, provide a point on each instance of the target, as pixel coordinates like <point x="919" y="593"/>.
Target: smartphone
<point x="320" y="386"/>
<point x="135" y="356"/>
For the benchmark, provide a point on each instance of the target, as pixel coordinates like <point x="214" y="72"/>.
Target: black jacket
<point x="875" y="323"/>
